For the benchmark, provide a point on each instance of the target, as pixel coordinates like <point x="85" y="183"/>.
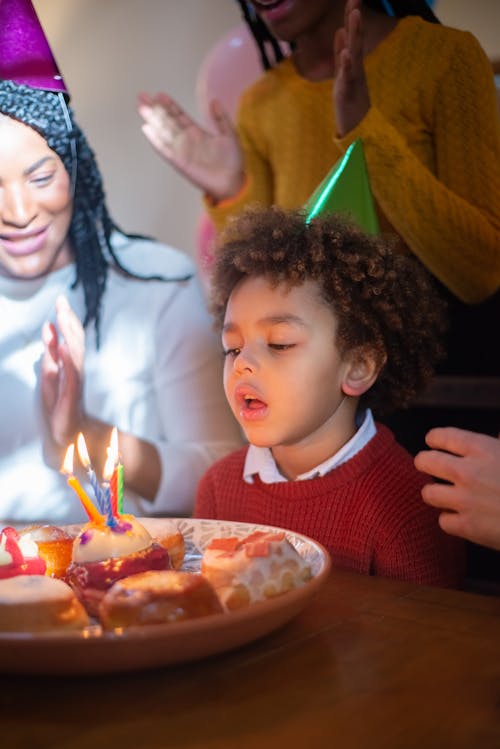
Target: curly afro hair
<point x="385" y="302"/>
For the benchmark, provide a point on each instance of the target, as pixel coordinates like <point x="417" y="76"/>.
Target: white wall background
<point x="108" y="50"/>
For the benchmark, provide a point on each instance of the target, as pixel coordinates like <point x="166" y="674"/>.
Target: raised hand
<point x="351" y="97"/>
<point x="61" y="383"/>
<point x="213" y="162"/>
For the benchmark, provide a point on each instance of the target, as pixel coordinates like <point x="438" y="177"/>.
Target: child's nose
<point x="246" y="361"/>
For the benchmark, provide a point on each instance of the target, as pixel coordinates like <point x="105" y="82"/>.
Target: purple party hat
<point x="25" y="55"/>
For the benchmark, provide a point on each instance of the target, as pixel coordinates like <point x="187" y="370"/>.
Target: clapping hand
<point x="62" y="375"/>
<point x="213" y="162"/>
<point x="351" y="97"/>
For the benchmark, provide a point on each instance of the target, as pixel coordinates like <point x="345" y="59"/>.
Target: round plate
<point x="93" y="651"/>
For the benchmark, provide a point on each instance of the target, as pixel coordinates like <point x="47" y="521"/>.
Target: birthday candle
<point x="73" y="482"/>
<point x="96" y="487"/>
<point x="119" y="472"/>
<point x="109" y="477"/>
<point x="113" y="491"/>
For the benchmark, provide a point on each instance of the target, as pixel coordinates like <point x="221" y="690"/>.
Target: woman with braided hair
<point x="422" y="99"/>
<point x="98" y="329"/>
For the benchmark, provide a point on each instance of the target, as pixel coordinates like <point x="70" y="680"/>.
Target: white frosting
<point x="32" y="588"/>
<point x="96" y="543"/>
<point x="5" y="556"/>
<point x="28" y="547"/>
<point x="257" y="574"/>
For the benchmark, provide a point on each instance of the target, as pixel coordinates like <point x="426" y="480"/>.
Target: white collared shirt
<point x="259" y="460"/>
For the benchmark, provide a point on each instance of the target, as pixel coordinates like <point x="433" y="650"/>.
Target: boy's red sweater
<point x="368" y="512"/>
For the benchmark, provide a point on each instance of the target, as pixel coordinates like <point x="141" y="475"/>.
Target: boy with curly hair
<point x="323" y="325"/>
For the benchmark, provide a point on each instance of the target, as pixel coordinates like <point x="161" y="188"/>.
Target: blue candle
<point x="91" y="475"/>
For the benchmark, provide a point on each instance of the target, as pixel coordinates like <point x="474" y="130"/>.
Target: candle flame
<point x="112" y="456"/>
<point x="82" y="450"/>
<point x="109" y="467"/>
<point x="67" y="466"/>
<point x="113" y="445"/>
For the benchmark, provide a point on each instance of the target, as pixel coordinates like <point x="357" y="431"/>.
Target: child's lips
<point x="251" y="406"/>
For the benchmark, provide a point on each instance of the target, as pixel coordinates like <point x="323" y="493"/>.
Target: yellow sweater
<point x="431" y="141"/>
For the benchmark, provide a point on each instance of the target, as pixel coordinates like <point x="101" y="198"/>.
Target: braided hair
<point x="91" y="226"/>
<point x="268" y="44"/>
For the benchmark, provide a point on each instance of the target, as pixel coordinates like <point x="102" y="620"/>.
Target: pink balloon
<point x="205" y="236"/>
<point x="230" y="66"/>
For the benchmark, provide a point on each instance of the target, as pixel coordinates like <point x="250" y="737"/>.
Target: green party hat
<point x="346" y="189"/>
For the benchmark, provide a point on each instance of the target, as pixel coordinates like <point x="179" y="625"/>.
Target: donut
<point x="103" y="554"/>
<point x="262" y="565"/>
<point x="165" y="532"/>
<point x="36" y="603"/>
<point x="158" y="598"/>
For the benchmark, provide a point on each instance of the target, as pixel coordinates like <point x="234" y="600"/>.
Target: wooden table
<point x="370" y="664"/>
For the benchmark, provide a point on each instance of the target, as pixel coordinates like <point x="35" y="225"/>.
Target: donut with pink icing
<point x="103" y="554"/>
<point x="260" y="566"/>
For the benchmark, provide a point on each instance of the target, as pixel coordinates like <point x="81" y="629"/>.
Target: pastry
<point x="166" y="533"/>
<point x="103" y="554"/>
<point x="36" y="603"/>
<point x="158" y="598"/>
<point x="19" y="556"/>
<point x="54" y="544"/>
<point x="259" y="566"/>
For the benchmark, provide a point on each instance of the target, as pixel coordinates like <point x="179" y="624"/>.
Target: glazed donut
<point x="36" y="603"/>
<point x="157" y="598"/>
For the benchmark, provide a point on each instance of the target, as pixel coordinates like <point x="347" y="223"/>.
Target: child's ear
<point x="361" y="372"/>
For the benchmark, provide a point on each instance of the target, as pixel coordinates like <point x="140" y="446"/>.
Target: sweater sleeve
<point x="450" y="219"/>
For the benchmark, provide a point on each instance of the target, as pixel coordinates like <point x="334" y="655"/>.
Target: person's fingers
<point x="460" y="441"/>
<point x="454" y="524"/>
<point x="443" y="496"/>
<point x="49" y="367"/>
<point x="158" y="141"/>
<point x="440" y="464"/>
<point x="164" y="105"/>
<point x="49" y="339"/>
<point x="345" y="64"/>
<point x="144" y="99"/>
<point x="348" y="8"/>
<point x="221" y="118"/>
<point x="72" y="331"/>
<point x="339" y="43"/>
<point x="355" y="36"/>
<point x="449" y="438"/>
